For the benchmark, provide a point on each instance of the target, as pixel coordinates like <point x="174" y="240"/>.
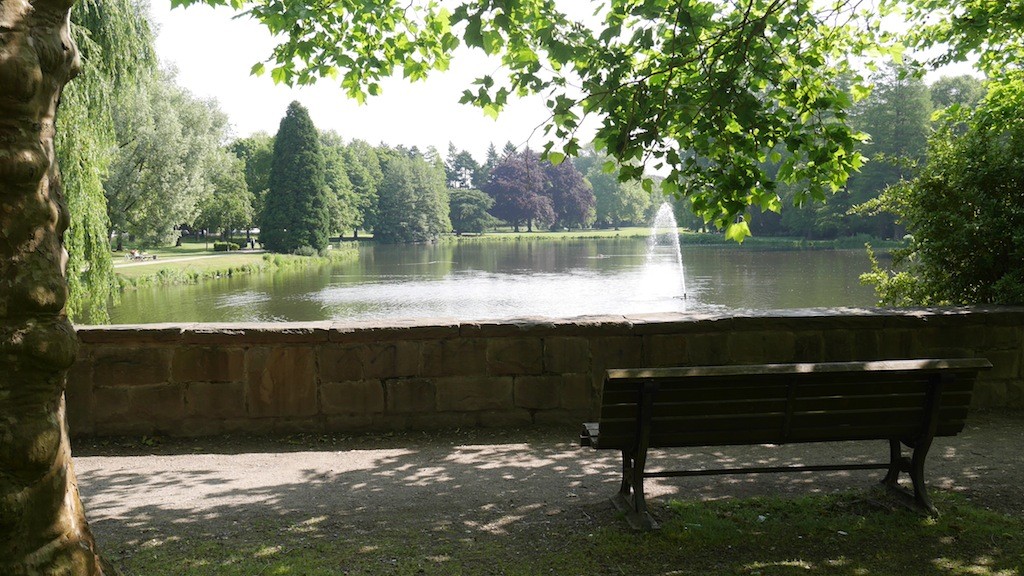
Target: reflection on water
<point x="504" y="279"/>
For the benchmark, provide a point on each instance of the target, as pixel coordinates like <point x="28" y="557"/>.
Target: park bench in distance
<point x="903" y="401"/>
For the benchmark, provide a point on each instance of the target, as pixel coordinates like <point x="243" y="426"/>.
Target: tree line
<point x="309" y="185"/>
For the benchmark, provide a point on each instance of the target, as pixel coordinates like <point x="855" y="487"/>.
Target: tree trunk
<point x="42" y="523"/>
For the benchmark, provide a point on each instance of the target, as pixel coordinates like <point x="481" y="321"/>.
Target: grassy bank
<point x="687" y="238"/>
<point x="188" y="265"/>
<point x="846" y="535"/>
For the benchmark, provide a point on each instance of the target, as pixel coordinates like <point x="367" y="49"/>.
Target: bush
<point x="964" y="214"/>
<point x="224" y="246"/>
<point x="306" y="251"/>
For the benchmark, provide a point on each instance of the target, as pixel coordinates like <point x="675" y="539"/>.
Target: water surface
<point x="514" y="278"/>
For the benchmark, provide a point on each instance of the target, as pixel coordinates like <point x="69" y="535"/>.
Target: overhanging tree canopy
<point x="705" y="90"/>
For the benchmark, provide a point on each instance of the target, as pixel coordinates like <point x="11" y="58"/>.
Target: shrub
<point x="224" y="246"/>
<point x="306" y="251"/>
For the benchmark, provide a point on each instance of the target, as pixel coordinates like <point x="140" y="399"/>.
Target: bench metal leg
<point x="917" y="476"/>
<point x="896" y="464"/>
<point x="631" y="500"/>
<point x="914" y="466"/>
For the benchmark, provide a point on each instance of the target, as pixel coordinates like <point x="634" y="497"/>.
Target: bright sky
<point x="213" y="55"/>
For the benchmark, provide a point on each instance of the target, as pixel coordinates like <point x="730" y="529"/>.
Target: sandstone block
<point x="139" y="409"/>
<point x="295" y="425"/>
<point x="78" y="398"/>
<point x="556" y="417"/>
<point x="208" y="364"/>
<point x="386" y="331"/>
<point x="666" y="350"/>
<point x="1006" y="365"/>
<point x="1004" y="337"/>
<point x="896" y="342"/>
<point x="439" y="421"/>
<point x="578" y="393"/>
<point x="867" y="345"/>
<point x="281" y="381"/>
<point x="708" y="349"/>
<point x="196" y="426"/>
<point x="131" y="334"/>
<point x="341" y="362"/>
<point x="990" y="394"/>
<point x="262" y="333"/>
<point x="508" y="356"/>
<point x="566" y="354"/>
<point x="131" y="366"/>
<point x="470" y="394"/>
<point x="761" y="347"/>
<point x="503" y="418"/>
<point x="390" y="359"/>
<point x="352" y="397"/>
<point x="840" y="346"/>
<point x="349" y="423"/>
<point x="950" y="336"/>
<point x="410" y="395"/>
<point x="1015" y="394"/>
<point x="455" y="357"/>
<point x="215" y="400"/>
<point x="537" y="392"/>
<point x="616" y="352"/>
<point x="808" y="346"/>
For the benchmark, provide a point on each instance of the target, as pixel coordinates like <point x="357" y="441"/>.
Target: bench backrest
<point x="786" y="403"/>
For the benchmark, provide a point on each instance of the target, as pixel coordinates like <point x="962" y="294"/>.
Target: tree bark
<point x="43" y="530"/>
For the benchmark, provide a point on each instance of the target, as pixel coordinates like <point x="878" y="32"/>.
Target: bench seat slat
<point x="910" y="366"/>
<point x="811" y="385"/>
<point x="775" y="405"/>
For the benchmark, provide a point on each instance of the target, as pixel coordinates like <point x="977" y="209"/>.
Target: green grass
<point x="197" y="266"/>
<point x="507" y="235"/>
<point x="211" y="262"/>
<point x="687" y="238"/>
<point x="851" y="534"/>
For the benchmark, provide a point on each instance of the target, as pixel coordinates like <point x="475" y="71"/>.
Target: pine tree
<point x="295" y="212"/>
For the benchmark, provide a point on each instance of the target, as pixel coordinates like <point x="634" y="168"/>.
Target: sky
<point x="213" y="54"/>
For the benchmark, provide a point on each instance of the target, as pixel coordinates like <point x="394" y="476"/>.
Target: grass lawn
<point x="192" y="262"/>
<point x="852" y="534"/>
<point x="686" y="237"/>
<point x="196" y="261"/>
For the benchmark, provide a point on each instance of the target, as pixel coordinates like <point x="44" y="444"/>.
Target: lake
<point x="494" y="279"/>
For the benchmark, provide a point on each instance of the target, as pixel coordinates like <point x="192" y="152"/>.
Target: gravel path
<point x="478" y="481"/>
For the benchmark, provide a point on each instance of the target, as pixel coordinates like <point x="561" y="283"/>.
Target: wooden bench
<point x="903" y="401"/>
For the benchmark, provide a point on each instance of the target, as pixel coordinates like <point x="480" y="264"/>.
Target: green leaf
<point x="492" y="42"/>
<point x="860" y="91"/>
<point x="257" y="69"/>
<point x="737" y="231"/>
<point x="556" y="158"/>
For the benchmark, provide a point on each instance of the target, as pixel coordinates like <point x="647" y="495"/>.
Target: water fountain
<point x="664" y="257"/>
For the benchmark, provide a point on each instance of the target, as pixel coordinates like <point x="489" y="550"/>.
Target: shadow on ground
<point x="525" y="492"/>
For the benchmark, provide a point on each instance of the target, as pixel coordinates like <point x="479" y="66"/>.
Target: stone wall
<point x="203" y="379"/>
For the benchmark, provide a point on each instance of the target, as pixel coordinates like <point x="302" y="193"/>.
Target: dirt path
<point x="477" y="483"/>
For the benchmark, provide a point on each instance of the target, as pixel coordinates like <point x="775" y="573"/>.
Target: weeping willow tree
<point x="115" y="40"/>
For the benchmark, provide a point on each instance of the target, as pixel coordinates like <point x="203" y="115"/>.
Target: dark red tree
<point x="571" y="197"/>
<point x="517" y="185"/>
